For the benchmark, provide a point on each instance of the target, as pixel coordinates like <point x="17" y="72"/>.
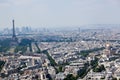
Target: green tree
<point x="70" y="77"/>
<point x="1" y="64"/>
<point x="99" y="68"/>
<point x="114" y="79"/>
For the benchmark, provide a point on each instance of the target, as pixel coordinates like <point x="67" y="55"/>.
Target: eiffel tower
<point x="14" y="38"/>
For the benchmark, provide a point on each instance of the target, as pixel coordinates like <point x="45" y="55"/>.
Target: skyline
<point x="53" y="14"/>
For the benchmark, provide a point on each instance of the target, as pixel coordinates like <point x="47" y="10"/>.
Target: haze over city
<point x="58" y="13"/>
<point x="59" y="40"/>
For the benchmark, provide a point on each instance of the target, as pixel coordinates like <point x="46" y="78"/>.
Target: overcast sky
<point x="41" y="13"/>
